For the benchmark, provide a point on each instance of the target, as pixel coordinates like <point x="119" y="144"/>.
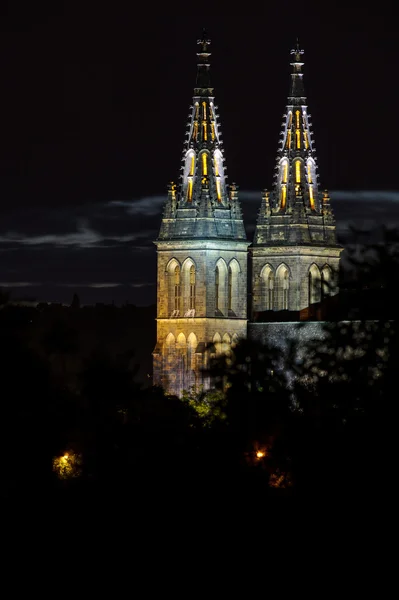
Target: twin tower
<point x="202" y="248"/>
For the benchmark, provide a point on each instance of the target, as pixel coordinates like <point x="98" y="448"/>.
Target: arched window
<point x="205" y="132"/>
<point x="204" y="164"/>
<point x="192" y="287"/>
<point x="298" y="138"/>
<point x="233" y="288"/>
<point x="221" y="284"/>
<point x="217" y="341"/>
<point x="204" y="110"/>
<point x="192" y="344"/>
<point x="217" y="282"/>
<point x="213" y="131"/>
<point x="326" y="282"/>
<point x="230" y="290"/>
<point x="314" y="285"/>
<point x="283" y="286"/>
<point x="189" y="170"/>
<point x="218" y="190"/>
<point x="177" y="289"/>
<point x="284" y="171"/>
<point x="189" y="189"/>
<point x="297" y="115"/>
<point x="170" y="344"/>
<point x="192" y="164"/>
<point x="283" y="197"/>
<point x="173" y="299"/>
<point x="268" y="287"/>
<point x="298" y="171"/>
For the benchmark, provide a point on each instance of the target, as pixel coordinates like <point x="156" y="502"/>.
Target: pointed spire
<point x="202" y="207"/>
<point x="203" y="82"/>
<point x="297" y="89"/>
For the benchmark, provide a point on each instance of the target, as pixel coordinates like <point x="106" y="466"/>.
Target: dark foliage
<point x="312" y="420"/>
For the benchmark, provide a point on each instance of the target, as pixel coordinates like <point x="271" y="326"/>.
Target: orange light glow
<point x="260" y="454"/>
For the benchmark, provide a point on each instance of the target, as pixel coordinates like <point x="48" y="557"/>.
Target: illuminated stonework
<point x="295" y="229"/>
<point x="202" y="249"/>
<point x="202" y="253"/>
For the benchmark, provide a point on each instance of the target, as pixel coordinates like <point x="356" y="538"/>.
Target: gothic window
<point x="189" y="189"/>
<point x="311" y="197"/>
<point x="314" y="285"/>
<point x="217" y="341"/>
<point x="283" y="196"/>
<point x="196" y="110"/>
<point x="306" y="139"/>
<point x="298" y="138"/>
<point x="285" y="291"/>
<point x="218" y="190"/>
<point x="310" y="178"/>
<point x="298" y="171"/>
<point x="233" y="290"/>
<point x="170" y="344"/>
<point x="192" y="344"/>
<point x="195" y="130"/>
<point x="268" y="288"/>
<point x="326" y="281"/>
<point x="215" y="162"/>
<point x="213" y="131"/>
<point x="204" y="128"/>
<point x="283" y="286"/>
<point x="288" y="144"/>
<point x="192" y="164"/>
<point x="192" y="287"/>
<point x="204" y="164"/>
<point x="221" y="285"/>
<point x="204" y="110"/>
<point x="230" y="290"/>
<point x="297" y="115"/>
<point x="177" y="289"/>
<point x="217" y="282"/>
<point x="284" y="171"/>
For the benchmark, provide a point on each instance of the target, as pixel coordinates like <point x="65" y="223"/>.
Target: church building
<point x="203" y="251"/>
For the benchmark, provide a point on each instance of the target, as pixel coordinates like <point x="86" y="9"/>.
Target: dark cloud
<point x="105" y="252"/>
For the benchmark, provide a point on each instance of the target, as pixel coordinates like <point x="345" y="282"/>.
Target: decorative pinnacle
<point x="297" y="89"/>
<point x="205" y="42"/>
<point x="203" y="83"/>
<point x="297" y="51"/>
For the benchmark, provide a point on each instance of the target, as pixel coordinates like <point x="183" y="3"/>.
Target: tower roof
<point x="203" y="206"/>
<point x="296" y="213"/>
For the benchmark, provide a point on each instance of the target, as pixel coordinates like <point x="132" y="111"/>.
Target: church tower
<point x="201" y="252"/>
<point x="295" y="256"/>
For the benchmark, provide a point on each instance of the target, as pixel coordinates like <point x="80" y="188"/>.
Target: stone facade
<point x="202" y="254"/>
<point x="202" y="250"/>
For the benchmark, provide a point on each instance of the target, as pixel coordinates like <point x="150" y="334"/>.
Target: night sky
<point x="94" y="105"/>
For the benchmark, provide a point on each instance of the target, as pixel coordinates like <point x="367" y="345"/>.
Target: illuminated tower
<point x="202" y="252"/>
<point x="295" y="256"/>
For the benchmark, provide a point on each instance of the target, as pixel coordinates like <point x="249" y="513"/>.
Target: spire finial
<point x="297" y="90"/>
<point x="203" y="84"/>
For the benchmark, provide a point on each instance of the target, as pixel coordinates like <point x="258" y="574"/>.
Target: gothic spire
<point x="295" y="194"/>
<point x="203" y="161"/>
